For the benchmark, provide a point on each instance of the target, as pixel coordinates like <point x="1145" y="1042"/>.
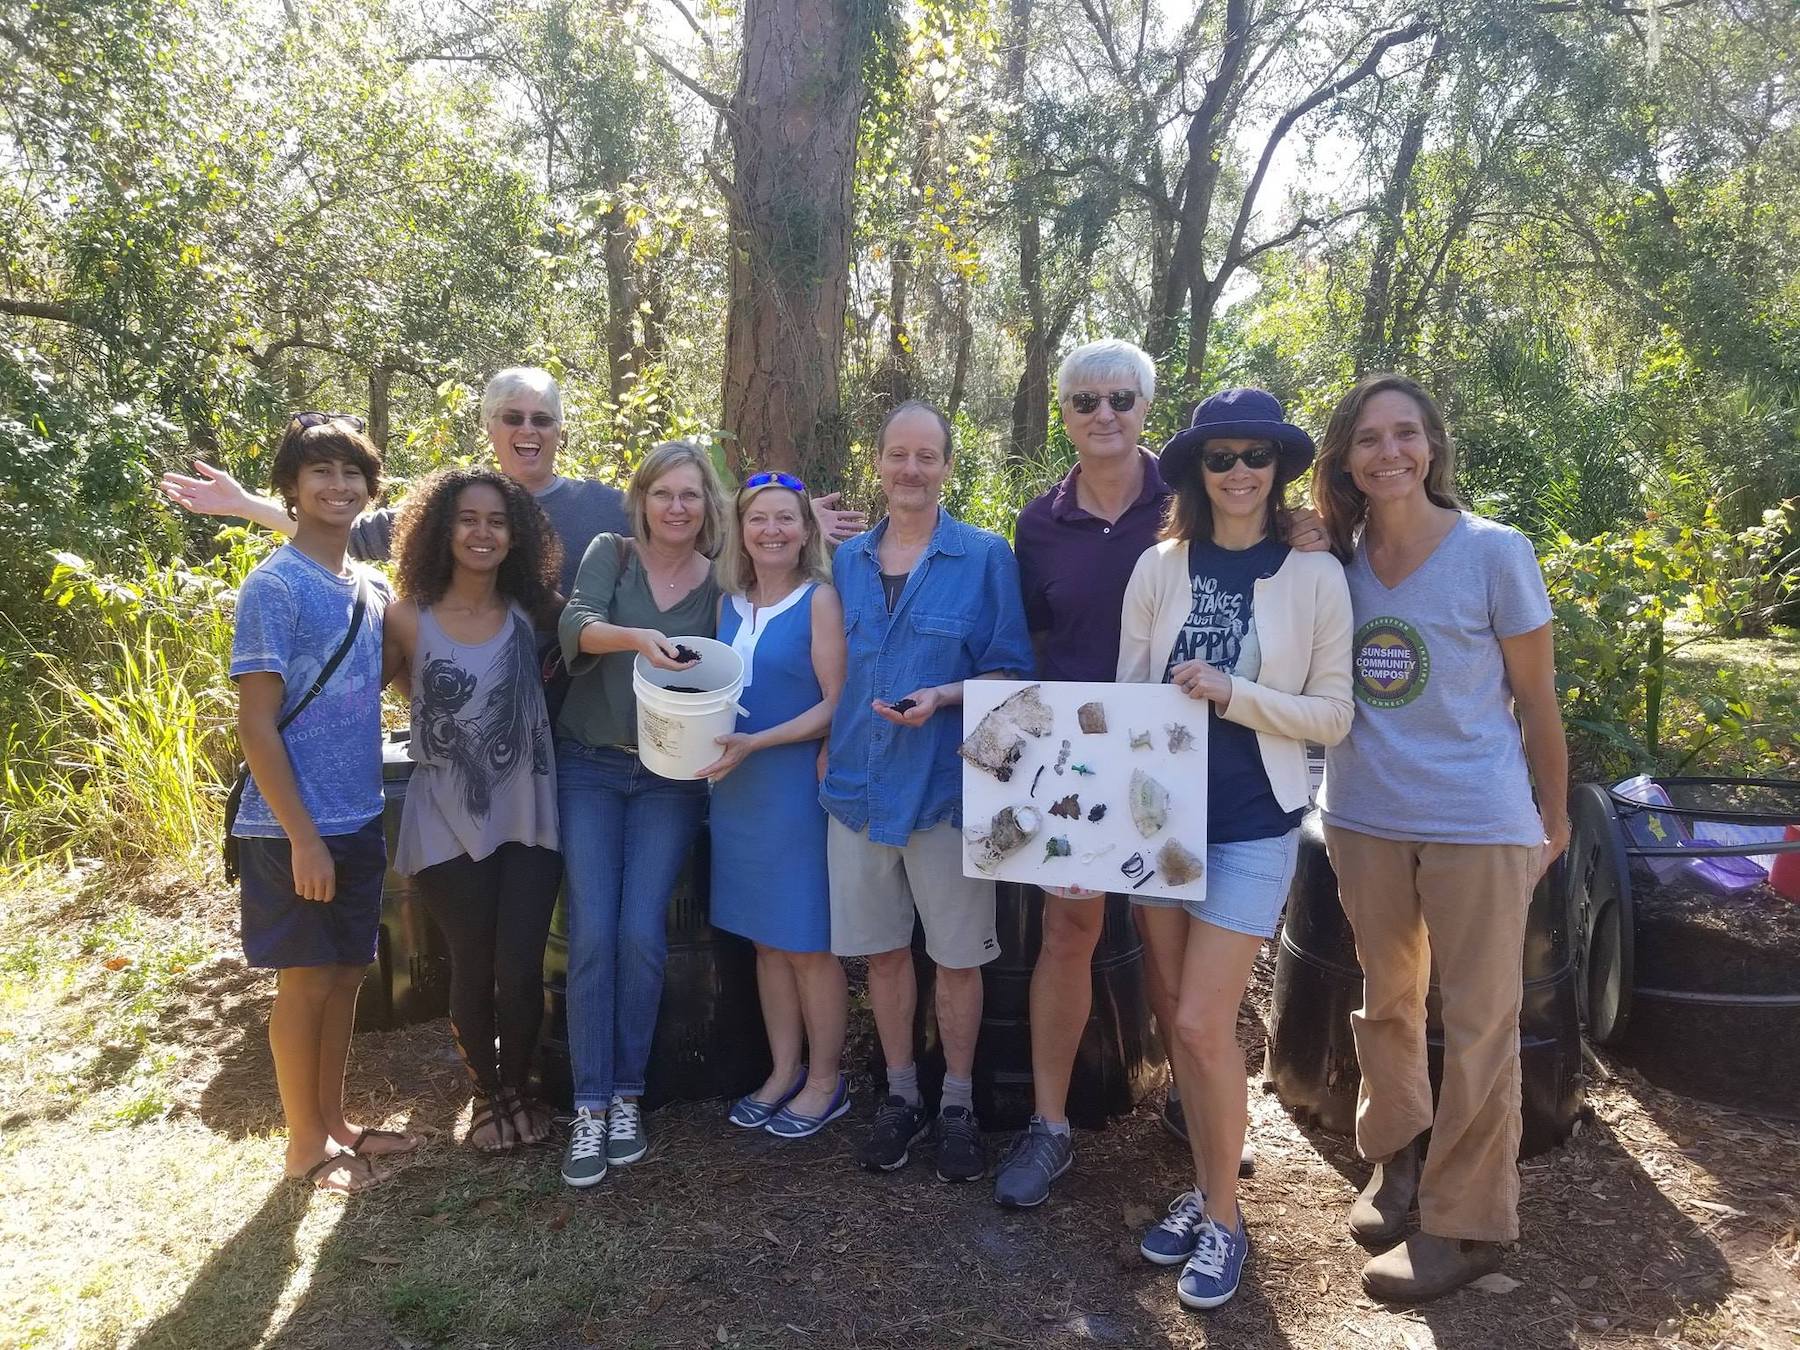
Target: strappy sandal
<point x="494" y="1112"/>
<point x="411" y="1143"/>
<point x="542" y="1119"/>
<point x="313" y="1177"/>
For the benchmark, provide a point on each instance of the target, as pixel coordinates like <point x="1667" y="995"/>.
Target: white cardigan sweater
<point x="1302" y="619"/>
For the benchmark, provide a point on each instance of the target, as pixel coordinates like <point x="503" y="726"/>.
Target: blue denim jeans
<point x="625" y="834"/>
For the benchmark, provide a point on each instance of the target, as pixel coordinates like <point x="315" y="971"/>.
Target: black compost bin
<point x="709" y="1038"/>
<point x="410" y="979"/>
<point x="1119" y="1058"/>
<point x="1690" y="972"/>
<point x="1311" y="1057"/>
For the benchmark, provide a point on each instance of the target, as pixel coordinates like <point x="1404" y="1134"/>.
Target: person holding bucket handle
<point x="626" y="831"/>
<point x="928" y="603"/>
<point x="1432" y="830"/>
<point x="522" y="415"/>
<point x="1226" y="611"/>
<point x="769" y="884"/>
<point x="477" y="562"/>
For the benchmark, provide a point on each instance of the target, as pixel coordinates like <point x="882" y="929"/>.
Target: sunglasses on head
<point x="786" y="480"/>
<point x="543" y="421"/>
<point x="1085" y="401"/>
<point x="308" y="420"/>
<point x="1220" y="461"/>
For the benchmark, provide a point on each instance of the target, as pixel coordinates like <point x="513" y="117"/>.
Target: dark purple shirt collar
<point x="1064" y="504"/>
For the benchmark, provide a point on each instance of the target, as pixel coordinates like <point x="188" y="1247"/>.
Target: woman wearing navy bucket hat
<point x="1260" y="632"/>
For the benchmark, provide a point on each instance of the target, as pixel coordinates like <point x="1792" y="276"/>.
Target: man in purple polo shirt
<point x="1076" y="546"/>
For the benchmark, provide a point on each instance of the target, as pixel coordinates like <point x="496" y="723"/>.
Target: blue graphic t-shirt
<point x="291" y="615"/>
<point x="1240" y="804"/>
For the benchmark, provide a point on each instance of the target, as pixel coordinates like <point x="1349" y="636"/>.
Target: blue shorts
<point x="282" y="930"/>
<point x="1246" y="885"/>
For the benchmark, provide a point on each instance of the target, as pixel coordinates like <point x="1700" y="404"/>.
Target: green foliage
<point x="124" y="751"/>
<point x="1625" y="602"/>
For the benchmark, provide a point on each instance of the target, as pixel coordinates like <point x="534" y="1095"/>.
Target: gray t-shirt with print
<point x="1434" y="751"/>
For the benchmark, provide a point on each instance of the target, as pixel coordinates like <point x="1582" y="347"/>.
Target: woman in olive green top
<point x="626" y="831"/>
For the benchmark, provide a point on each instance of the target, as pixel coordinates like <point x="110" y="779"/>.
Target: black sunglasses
<point x="1220" y="461"/>
<point x="308" y="420"/>
<point x="543" y="421"/>
<point x="786" y="480"/>
<point x="1121" y="400"/>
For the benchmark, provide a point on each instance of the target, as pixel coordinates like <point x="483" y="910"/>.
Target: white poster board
<point x="1160" y="849"/>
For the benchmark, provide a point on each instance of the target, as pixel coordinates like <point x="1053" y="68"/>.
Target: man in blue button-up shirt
<point x="928" y="603"/>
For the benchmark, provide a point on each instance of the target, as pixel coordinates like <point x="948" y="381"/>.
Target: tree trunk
<point x="1207" y="133"/>
<point x="792" y="123"/>
<point x="1030" y="421"/>
<point x="1373" y="349"/>
<point x="381" y="378"/>
<point x="621" y="303"/>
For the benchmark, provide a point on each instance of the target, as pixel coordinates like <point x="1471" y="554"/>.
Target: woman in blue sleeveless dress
<point x="780" y="613"/>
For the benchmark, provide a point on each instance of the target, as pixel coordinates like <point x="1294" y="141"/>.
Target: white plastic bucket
<point x="677" y="733"/>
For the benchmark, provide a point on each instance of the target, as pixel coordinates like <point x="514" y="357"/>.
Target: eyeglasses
<point x="1120" y="400"/>
<point x="543" y="421"/>
<point x="1221" y="461"/>
<point x="786" y="480"/>
<point x="308" y="420"/>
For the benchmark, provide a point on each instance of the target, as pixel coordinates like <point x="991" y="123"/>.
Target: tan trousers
<point x="1464" y="906"/>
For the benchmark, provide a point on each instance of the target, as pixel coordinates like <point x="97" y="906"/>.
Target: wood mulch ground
<point x="1665" y="1221"/>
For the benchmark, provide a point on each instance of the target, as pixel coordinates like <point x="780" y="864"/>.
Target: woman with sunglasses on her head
<point x="477" y="565"/>
<point x="1260" y="633"/>
<point x="1432" y="829"/>
<point x="780" y="613"/>
<point x="627" y="831"/>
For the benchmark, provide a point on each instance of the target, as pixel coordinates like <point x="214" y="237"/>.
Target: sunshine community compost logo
<point x="1392" y="665"/>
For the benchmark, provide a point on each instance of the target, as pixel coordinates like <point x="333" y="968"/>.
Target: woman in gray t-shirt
<point x="477" y="564"/>
<point x="1432" y="828"/>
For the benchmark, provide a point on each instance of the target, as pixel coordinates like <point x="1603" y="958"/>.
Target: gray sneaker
<point x="584" y="1161"/>
<point x="1037" y="1158"/>
<point x="625" y="1139"/>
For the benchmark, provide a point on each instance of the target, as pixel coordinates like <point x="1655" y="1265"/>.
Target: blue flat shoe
<point x="749" y="1114"/>
<point x="787" y="1124"/>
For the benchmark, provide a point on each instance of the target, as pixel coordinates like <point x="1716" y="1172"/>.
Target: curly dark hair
<point x="423" y="564"/>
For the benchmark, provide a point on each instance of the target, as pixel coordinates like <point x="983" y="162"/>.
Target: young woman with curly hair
<point x="478" y="562"/>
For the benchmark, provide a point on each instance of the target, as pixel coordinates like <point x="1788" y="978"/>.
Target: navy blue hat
<point x="1236" y="412"/>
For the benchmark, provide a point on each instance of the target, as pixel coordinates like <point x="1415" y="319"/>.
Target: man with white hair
<point x="1077" y="545"/>
<point x="522" y="413"/>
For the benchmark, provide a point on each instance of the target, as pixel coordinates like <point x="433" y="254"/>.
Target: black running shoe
<point x="959" y="1155"/>
<point x="898" y="1126"/>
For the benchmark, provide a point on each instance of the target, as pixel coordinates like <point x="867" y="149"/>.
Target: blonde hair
<point x="664" y="457"/>
<point x="736" y="572"/>
<point x="1339" y="502"/>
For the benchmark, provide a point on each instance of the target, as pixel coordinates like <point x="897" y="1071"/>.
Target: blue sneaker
<point x="1211" y="1275"/>
<point x="788" y="1123"/>
<point x="1172" y="1241"/>
<point x="749" y="1114"/>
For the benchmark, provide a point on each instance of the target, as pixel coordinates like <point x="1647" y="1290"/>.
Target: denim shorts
<point x="1246" y="885"/>
<point x="282" y="930"/>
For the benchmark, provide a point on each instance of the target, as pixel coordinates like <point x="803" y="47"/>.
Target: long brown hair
<point x="1337" y="499"/>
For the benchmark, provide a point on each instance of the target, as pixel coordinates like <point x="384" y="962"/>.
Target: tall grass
<point x="123" y="747"/>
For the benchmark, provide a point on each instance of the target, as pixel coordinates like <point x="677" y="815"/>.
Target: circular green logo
<point x="1392" y="665"/>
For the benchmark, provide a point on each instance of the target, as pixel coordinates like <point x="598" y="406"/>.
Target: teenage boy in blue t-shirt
<point x="311" y="854"/>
